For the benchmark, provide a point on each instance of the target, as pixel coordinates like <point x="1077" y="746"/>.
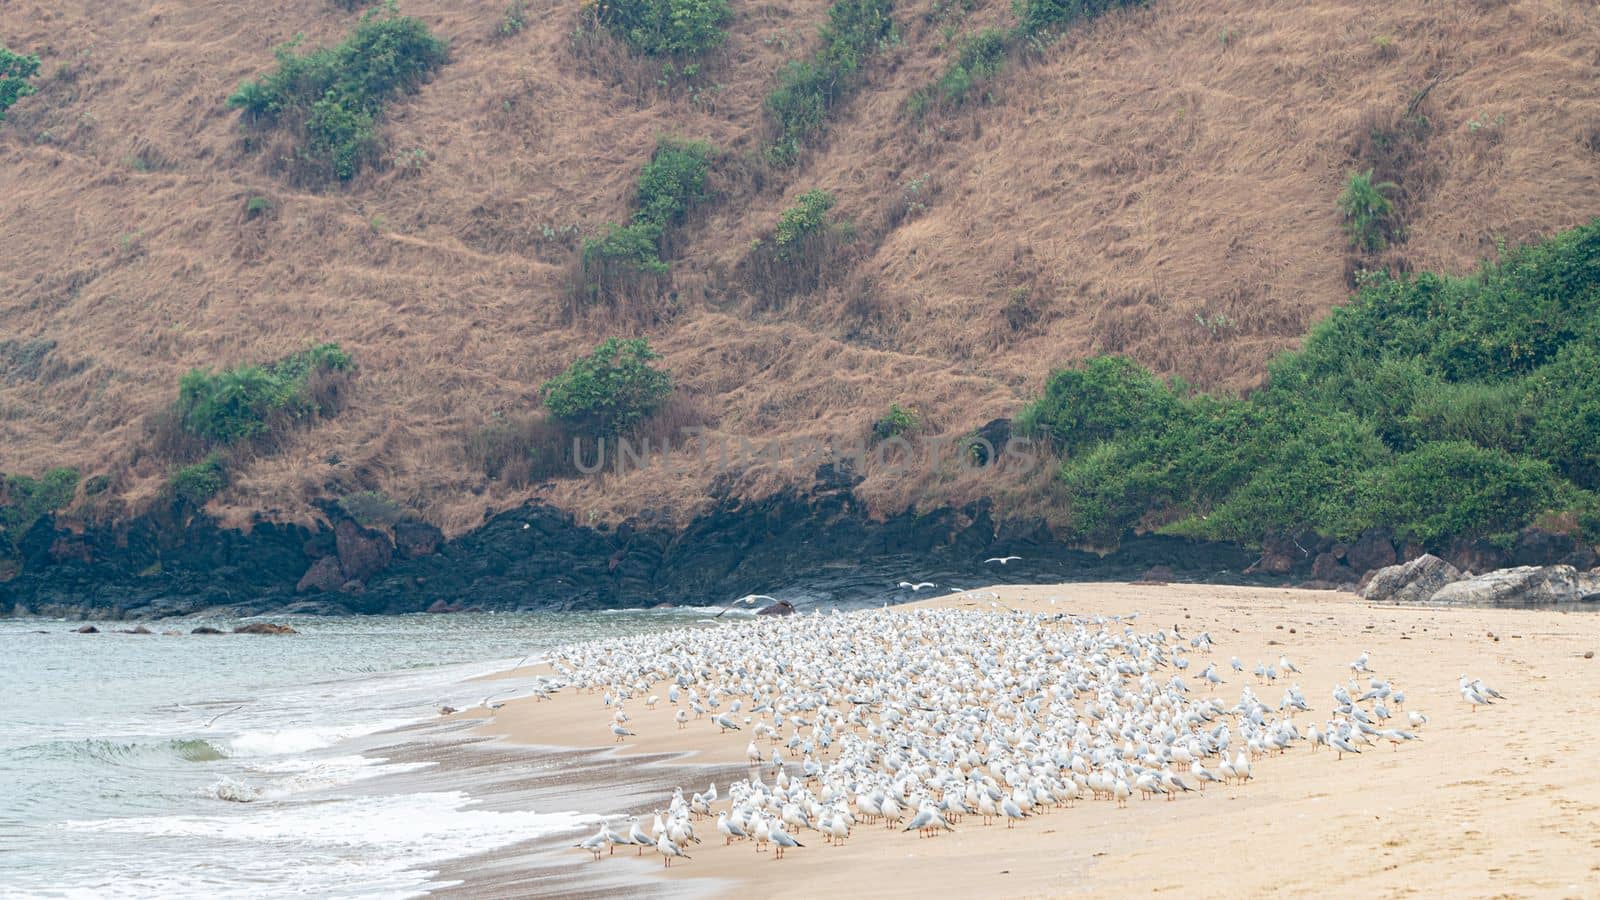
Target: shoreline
<point x="1507" y="811"/>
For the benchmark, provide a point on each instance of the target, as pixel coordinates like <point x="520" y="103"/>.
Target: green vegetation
<point x="335" y="96"/>
<point x="1441" y="408"/>
<point x="981" y="55"/>
<point x="671" y="184"/>
<point x="1368" y="212"/>
<point x="242" y="403"/>
<point x="15" y="70"/>
<point x="195" y="484"/>
<point x="678" y="28"/>
<point x="514" y="20"/>
<point x="609" y="391"/>
<point x="24" y="501"/>
<point x="808" y="216"/>
<point x="371" y="508"/>
<point x="897" y="421"/>
<point x="809" y="89"/>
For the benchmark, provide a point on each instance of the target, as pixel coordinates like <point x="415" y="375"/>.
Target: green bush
<point x="897" y="421"/>
<point x="609" y="391"/>
<point x="15" y="70"/>
<point x="1368" y="212"/>
<point x="240" y="404"/>
<point x="335" y="95"/>
<point x="195" y="484"/>
<point x="808" y="216"/>
<point x="679" y="28"/>
<point x="29" y="499"/>
<point x="1443" y="409"/>
<point x="635" y="246"/>
<point x="978" y="58"/>
<point x="669" y="186"/>
<point x="672" y="182"/>
<point x="809" y="89"/>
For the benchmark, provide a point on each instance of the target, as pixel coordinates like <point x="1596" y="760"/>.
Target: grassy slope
<point x="1140" y="172"/>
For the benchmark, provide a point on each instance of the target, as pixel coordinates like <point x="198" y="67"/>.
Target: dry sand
<point x="1504" y="801"/>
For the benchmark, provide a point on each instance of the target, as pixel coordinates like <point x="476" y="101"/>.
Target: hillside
<point x="1160" y="182"/>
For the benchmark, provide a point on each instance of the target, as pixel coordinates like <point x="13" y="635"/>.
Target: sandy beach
<point x="1501" y="801"/>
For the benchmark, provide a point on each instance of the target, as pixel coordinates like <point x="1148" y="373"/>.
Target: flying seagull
<point x="1002" y="560"/>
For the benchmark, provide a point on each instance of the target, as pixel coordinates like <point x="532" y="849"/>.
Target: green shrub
<point x="29" y="499"/>
<point x="978" y="58"/>
<point x="809" y="89"/>
<point x="680" y="28"/>
<point x="242" y="403"/>
<point x="1368" y="212"/>
<point x="514" y="20"/>
<point x="15" y="70"/>
<point x="371" y="508"/>
<point x="672" y="182"/>
<point x="96" y="484"/>
<point x="609" y="391"/>
<point x="197" y="483"/>
<point x="808" y="216"/>
<point x="334" y="96"/>
<point x="669" y="186"/>
<point x="1443" y="409"/>
<point x="635" y="246"/>
<point x="897" y="421"/>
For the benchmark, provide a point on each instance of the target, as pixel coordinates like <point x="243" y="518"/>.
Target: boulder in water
<point x="1411" y="582"/>
<point x="264" y="628"/>
<point x="1519" y="586"/>
<point x="137" y="630"/>
<point x="781" y="608"/>
<point x="88" y="629"/>
<point x="207" y="629"/>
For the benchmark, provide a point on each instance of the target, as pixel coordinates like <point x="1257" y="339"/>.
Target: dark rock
<point x="1537" y="547"/>
<point x="1411" y="582"/>
<point x="1156" y="575"/>
<point x="139" y="630"/>
<point x="1478" y="556"/>
<point x="781" y="608"/>
<point x="206" y="629"/>
<point x="88" y="629"/>
<point x="1326" y="567"/>
<point x="1372" y="550"/>
<point x="363" y="552"/>
<point x="264" y="628"/>
<point x="352" y="587"/>
<point x="1518" y="586"/>
<point x="417" y="539"/>
<point x="323" y="576"/>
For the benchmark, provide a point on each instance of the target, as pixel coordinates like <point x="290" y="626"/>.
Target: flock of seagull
<point x="919" y="719"/>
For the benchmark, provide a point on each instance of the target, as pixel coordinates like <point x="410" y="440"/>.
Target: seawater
<point x="113" y="784"/>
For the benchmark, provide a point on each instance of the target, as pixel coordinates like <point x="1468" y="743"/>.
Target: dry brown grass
<point x="1142" y="187"/>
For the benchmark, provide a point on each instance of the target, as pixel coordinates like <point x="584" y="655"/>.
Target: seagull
<point x="637" y="836"/>
<point x="621" y="733"/>
<point x="918" y="586"/>
<point x="722" y="721"/>
<point x="747" y="600"/>
<point x="1002" y="560"/>
<point x="782" y="840"/>
<point x="213" y="719"/>
<point x="668" y="850"/>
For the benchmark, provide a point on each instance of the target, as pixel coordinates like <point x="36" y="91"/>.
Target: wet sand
<point x="1504" y="801"/>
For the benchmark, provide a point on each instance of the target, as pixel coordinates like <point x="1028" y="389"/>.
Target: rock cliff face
<point x="820" y="546"/>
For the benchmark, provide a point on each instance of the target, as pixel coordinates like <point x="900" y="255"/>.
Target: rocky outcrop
<point x="1519" y="586"/>
<point x="264" y="628"/>
<point x="362" y="552"/>
<point x="206" y="629"/>
<point x="414" y="540"/>
<point x="1411" y="582"/>
<point x="324" y="576"/>
<point x="1373" y="550"/>
<point x="1589" y="586"/>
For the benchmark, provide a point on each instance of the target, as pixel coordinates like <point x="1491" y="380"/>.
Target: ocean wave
<point x="120" y="752"/>
<point x="285" y="741"/>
